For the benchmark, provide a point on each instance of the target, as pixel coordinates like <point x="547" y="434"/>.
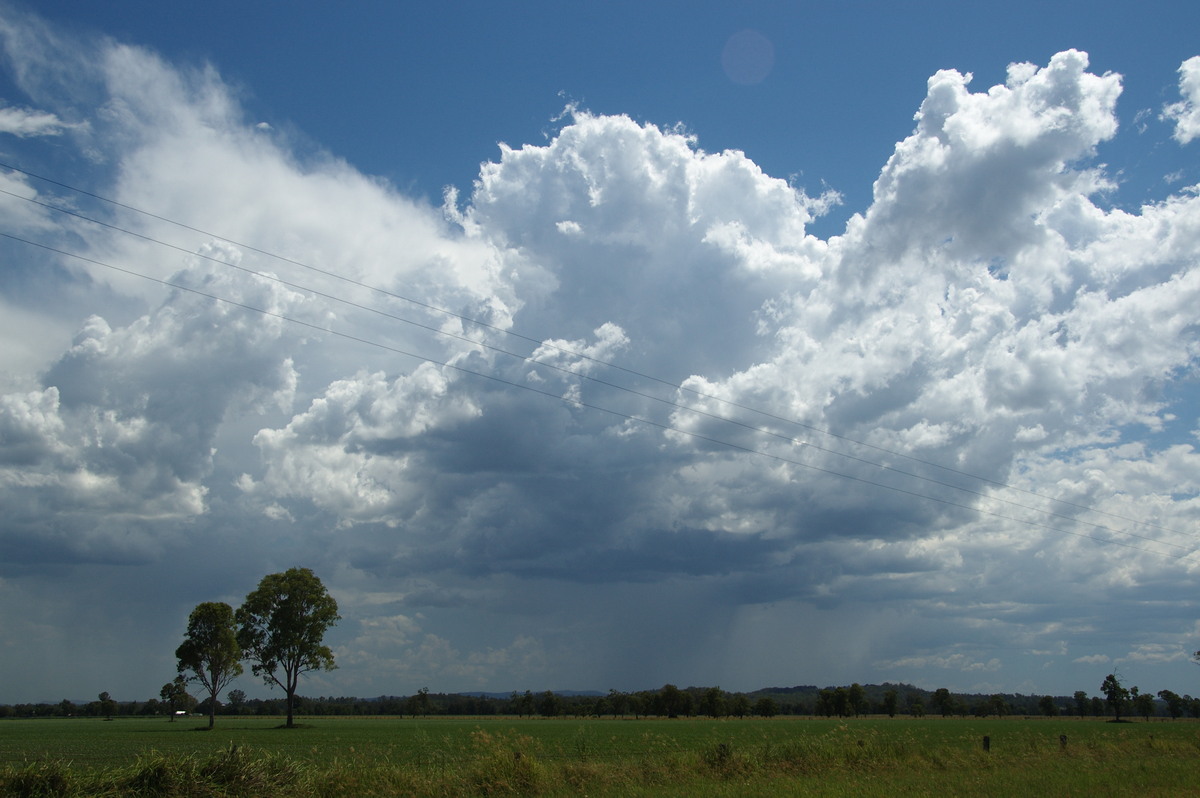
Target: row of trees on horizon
<point x="668" y="701"/>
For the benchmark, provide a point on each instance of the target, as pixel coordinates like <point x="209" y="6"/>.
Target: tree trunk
<point x="289" y="708"/>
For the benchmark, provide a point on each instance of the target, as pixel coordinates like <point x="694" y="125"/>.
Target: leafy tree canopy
<point x="210" y="650"/>
<point x="281" y="626"/>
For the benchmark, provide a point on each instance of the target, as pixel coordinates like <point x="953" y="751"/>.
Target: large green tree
<point x="618" y="701"/>
<point x="766" y="707"/>
<point x="673" y="702"/>
<point x="942" y="700"/>
<point x="237" y="700"/>
<point x="210" y="650"/>
<point x="856" y="695"/>
<point x="1174" y="702"/>
<point x="106" y="706"/>
<point x="175" y="695"/>
<point x="712" y="703"/>
<point x="1115" y="694"/>
<point x="1143" y="703"/>
<point x="890" y="699"/>
<point x="281" y="626"/>
<point x="1082" y="703"/>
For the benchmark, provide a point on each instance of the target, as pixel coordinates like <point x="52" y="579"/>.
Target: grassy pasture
<point x="451" y="756"/>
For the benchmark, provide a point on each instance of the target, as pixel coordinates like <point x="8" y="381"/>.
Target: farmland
<point x="443" y="756"/>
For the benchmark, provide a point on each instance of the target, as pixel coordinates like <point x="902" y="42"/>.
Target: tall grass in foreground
<point x="846" y="761"/>
<point x="233" y="771"/>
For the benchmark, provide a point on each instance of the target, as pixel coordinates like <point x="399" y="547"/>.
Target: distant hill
<point x="510" y="693"/>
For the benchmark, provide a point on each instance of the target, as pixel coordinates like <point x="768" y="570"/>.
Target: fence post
<point x="987" y="743"/>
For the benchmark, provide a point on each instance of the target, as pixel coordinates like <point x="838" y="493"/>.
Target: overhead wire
<point x="587" y="358"/>
<point x="542" y="343"/>
<point x="581" y="375"/>
<point x="617" y="413"/>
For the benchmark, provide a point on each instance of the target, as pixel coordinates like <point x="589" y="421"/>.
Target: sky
<point x="601" y="346"/>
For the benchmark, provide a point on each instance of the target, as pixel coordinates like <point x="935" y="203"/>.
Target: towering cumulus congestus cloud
<point x="984" y="313"/>
<point x="979" y="169"/>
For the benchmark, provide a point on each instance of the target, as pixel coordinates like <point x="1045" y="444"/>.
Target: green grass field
<point x="444" y="756"/>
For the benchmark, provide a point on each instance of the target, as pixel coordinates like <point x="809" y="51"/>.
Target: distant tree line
<point x="667" y="701"/>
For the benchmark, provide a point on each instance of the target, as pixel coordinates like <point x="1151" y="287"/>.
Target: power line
<point x="581" y="375"/>
<point x="544" y="343"/>
<point x="617" y="413"/>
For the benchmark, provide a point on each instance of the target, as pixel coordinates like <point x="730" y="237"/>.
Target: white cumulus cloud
<point x="25" y="122"/>
<point x="1186" y="113"/>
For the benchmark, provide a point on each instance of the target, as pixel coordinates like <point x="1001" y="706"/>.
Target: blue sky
<point x="961" y="239"/>
<point x="373" y="79"/>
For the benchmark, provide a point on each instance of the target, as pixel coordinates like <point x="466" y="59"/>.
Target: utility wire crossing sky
<point x="1182" y="550"/>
